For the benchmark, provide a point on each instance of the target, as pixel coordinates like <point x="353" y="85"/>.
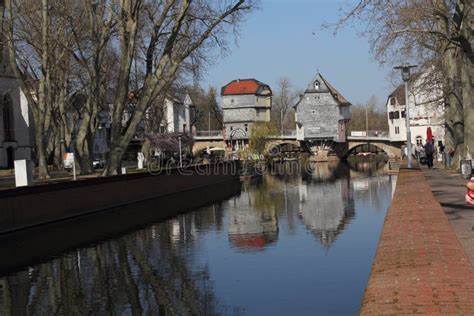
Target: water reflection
<point x="192" y="264"/>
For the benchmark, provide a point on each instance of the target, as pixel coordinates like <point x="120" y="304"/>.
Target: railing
<point x="289" y="132"/>
<point x="209" y="133"/>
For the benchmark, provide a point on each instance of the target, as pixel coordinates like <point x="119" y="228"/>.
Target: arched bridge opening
<point x="283" y="148"/>
<point x="363" y="148"/>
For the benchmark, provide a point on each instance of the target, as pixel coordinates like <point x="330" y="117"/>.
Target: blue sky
<point x="278" y="40"/>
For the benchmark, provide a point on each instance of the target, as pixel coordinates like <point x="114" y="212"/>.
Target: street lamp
<point x="180" y="155"/>
<point x="405" y="69"/>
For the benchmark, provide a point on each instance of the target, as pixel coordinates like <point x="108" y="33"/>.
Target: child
<point x="470" y="191"/>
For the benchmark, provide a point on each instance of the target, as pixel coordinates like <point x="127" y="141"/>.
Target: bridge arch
<point x="391" y="150"/>
<point x="276" y="147"/>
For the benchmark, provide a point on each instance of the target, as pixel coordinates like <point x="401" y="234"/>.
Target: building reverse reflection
<point x="181" y="266"/>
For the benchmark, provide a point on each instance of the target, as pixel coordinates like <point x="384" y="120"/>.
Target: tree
<point x="435" y="34"/>
<point x="75" y="58"/>
<point x="29" y="56"/>
<point x="259" y="133"/>
<point x="282" y="106"/>
<point x="176" y="31"/>
<point x="368" y="114"/>
<point x="208" y="115"/>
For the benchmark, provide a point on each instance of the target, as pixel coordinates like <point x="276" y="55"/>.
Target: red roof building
<point x="244" y="103"/>
<point x="245" y="86"/>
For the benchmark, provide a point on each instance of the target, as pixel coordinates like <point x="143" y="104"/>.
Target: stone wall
<point x="25" y="247"/>
<point x="26" y="207"/>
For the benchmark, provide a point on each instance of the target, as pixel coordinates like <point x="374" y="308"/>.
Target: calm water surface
<point x="299" y="242"/>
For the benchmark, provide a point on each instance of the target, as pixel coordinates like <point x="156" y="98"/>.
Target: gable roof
<point x="399" y="94"/>
<point x="244" y="86"/>
<point x="325" y="86"/>
<point x="337" y="96"/>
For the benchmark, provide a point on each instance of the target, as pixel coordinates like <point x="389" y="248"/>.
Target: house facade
<point x="177" y="118"/>
<point x="245" y="102"/>
<point x="15" y="127"/>
<point x="322" y="113"/>
<point x="426" y="110"/>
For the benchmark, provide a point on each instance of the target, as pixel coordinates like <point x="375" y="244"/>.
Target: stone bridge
<point x="289" y="143"/>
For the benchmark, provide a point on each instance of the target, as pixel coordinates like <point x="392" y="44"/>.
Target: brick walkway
<point x="449" y="189"/>
<point x="420" y="266"/>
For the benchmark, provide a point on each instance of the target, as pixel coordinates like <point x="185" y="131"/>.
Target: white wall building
<point x="177" y="118"/>
<point x="426" y="110"/>
<point x="15" y="132"/>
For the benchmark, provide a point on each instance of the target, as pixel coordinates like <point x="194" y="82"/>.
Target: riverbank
<point x="420" y="265"/>
<point x="26" y="207"/>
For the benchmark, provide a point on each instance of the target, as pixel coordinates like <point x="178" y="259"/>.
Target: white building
<point x="177" y="118"/>
<point x="426" y="110"/>
<point x="15" y="132"/>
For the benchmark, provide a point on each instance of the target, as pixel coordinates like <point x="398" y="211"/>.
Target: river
<point x="297" y="241"/>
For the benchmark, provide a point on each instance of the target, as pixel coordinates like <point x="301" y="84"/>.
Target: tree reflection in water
<point x="168" y="268"/>
<point x="141" y="273"/>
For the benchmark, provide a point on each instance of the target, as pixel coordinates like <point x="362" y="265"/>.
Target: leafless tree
<point x="177" y="31"/>
<point x="434" y="34"/>
<point x="283" y="101"/>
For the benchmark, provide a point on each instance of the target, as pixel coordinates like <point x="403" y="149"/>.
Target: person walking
<point x="429" y="151"/>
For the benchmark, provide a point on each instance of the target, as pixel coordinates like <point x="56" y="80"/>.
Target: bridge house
<point x="244" y="102"/>
<point x="322" y="114"/>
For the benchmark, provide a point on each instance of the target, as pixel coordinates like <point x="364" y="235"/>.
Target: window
<point x="394" y="115"/>
<point x="419" y="140"/>
<point x="397" y="130"/>
<point x="246" y="127"/>
<point x="393" y="101"/>
<point x="403" y="114"/>
<point x="316" y="85"/>
<point x="8" y="119"/>
<point x="231" y="128"/>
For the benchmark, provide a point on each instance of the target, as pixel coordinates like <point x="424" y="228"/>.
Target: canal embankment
<point x="420" y="266"/>
<point x="26" y="207"/>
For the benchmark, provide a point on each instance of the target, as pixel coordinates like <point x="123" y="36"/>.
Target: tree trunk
<point x="83" y="151"/>
<point x="467" y="72"/>
<point x="454" y="112"/>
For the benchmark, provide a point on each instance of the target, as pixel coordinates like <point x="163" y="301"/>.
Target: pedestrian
<point x="470" y="191"/>
<point x="429" y="151"/>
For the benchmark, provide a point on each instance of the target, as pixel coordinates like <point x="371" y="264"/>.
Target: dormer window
<point x="316" y="85"/>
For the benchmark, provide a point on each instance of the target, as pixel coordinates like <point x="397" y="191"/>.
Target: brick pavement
<point x="449" y="189"/>
<point x="420" y="266"/>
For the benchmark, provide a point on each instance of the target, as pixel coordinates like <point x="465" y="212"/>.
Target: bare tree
<point x="433" y="33"/>
<point x="283" y="102"/>
<point x="28" y="39"/>
<point x="179" y="30"/>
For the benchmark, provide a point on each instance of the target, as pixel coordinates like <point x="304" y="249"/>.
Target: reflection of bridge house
<point x="251" y="228"/>
<point x="326" y="207"/>
<point x="244" y="102"/>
